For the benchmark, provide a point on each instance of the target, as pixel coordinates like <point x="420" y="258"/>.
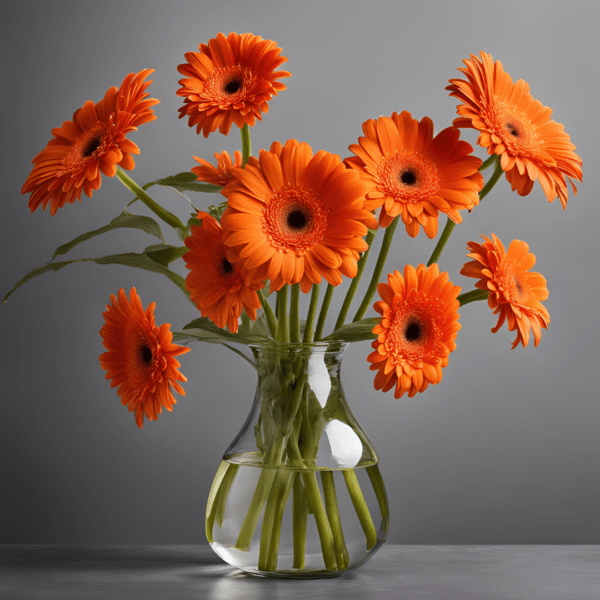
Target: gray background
<point x="504" y="450"/>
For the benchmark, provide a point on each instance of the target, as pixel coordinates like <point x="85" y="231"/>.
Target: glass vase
<point x="298" y="493"/>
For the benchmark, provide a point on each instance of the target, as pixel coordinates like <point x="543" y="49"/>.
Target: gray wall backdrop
<point x="504" y="450"/>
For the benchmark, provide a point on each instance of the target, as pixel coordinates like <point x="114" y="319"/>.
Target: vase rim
<point x="320" y="346"/>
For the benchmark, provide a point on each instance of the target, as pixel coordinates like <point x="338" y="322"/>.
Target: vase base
<point x="311" y="570"/>
<point x="295" y="573"/>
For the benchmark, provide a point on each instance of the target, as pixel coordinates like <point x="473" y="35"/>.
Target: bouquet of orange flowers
<point x="290" y="218"/>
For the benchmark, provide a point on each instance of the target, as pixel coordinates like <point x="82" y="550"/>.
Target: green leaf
<point x="245" y="324"/>
<point x="217" y="210"/>
<point x="164" y="254"/>
<point x="129" y="259"/>
<point x="355" y="332"/>
<point x="185" y="198"/>
<point x="195" y="222"/>
<point x="125" y="219"/>
<point x="260" y="327"/>
<point x="187" y="181"/>
<point x="204" y="330"/>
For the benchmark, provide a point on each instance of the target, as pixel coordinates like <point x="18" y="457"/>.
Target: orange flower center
<point x="414" y="332"/>
<point x="518" y="134"/>
<point x="408" y="177"/>
<point x="512" y="282"/>
<point x="229" y="85"/>
<point x="294" y="219"/>
<point x="147" y="363"/>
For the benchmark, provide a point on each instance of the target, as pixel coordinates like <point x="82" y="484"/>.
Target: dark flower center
<point x="92" y="145"/>
<point x="408" y="177"/>
<point x="412" y="332"/>
<point x="233" y="86"/>
<point x="296" y="219"/>
<point x="226" y="266"/>
<point x="146" y="353"/>
<point x="512" y="130"/>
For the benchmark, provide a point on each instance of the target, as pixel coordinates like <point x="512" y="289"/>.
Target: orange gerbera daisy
<point x="221" y="174"/>
<point x="140" y="358"/>
<point x="93" y="142"/>
<point x="216" y="285"/>
<point x="230" y="80"/>
<point x="516" y="127"/>
<point x="293" y="217"/>
<point x="515" y="295"/>
<point x="419" y="323"/>
<point x="416" y="175"/>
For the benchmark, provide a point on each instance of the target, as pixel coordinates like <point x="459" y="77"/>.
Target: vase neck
<point x="314" y="364"/>
<point x="270" y="352"/>
<point x="300" y="418"/>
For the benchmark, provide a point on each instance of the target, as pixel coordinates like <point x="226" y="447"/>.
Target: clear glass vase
<point x="298" y="493"/>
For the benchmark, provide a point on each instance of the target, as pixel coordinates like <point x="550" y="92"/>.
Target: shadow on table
<point x="146" y="572"/>
<point x="108" y="558"/>
<point x="226" y="585"/>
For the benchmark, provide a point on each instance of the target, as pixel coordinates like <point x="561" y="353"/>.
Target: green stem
<point x="354" y="284"/>
<point x="271" y="318"/>
<point x="157" y="209"/>
<point x="379" y="265"/>
<point x="473" y="296"/>
<point x="246" y="145"/>
<point x="312" y="311"/>
<point x="439" y="247"/>
<point x="487" y="188"/>
<point x="295" y="314"/>
<point x="271" y="529"/>
<point x="361" y="508"/>
<point x="323" y="313"/>
<point x="263" y="487"/>
<point x="488" y="163"/>
<point x="224" y="492"/>
<point x="211" y="504"/>
<point x="333" y="514"/>
<point x="377" y="482"/>
<point x="283" y="333"/>
<point x="379" y="488"/>
<point x="299" y="523"/>
<point x="326" y="536"/>
<point x="292" y="410"/>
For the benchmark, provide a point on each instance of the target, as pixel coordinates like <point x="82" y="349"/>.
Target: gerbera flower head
<point x="419" y="323"/>
<point x="217" y="287"/>
<point x="516" y="127"/>
<point x="515" y="294"/>
<point x="221" y="174"/>
<point x="140" y="357"/>
<point x="94" y="142"/>
<point x="415" y="175"/>
<point x="230" y="80"/>
<point x="293" y="217"/>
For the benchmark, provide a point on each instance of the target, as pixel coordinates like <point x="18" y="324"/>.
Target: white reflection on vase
<point x="318" y="378"/>
<point x="346" y="447"/>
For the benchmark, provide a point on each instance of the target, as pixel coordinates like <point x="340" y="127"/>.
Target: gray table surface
<point x="402" y="572"/>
